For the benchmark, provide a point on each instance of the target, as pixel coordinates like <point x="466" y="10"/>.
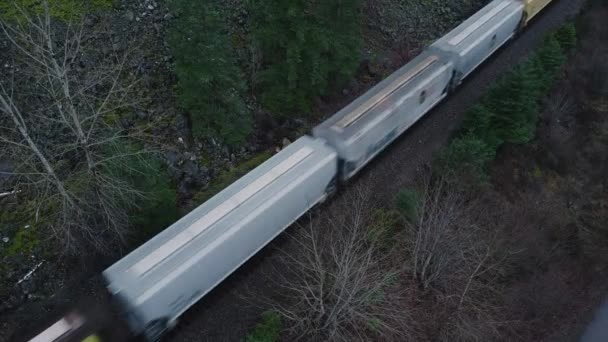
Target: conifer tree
<point x="210" y="82"/>
<point x="566" y="36"/>
<point x="552" y="58"/>
<point x="308" y="48"/>
<point x="515" y="113"/>
<point x="479" y="122"/>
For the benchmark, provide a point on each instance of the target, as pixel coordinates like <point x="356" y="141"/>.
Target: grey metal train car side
<point x="476" y="39"/>
<point x="363" y="128"/>
<point x="161" y="279"/>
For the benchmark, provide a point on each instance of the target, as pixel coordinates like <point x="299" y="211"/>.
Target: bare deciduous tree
<point x="59" y="132"/>
<point x="455" y="253"/>
<point x="338" y="284"/>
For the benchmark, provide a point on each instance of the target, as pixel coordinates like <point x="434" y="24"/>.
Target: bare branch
<point x="63" y="152"/>
<point x="338" y="284"/>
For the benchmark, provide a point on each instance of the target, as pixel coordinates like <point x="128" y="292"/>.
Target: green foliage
<point x="467" y="152"/>
<point x="229" y="176"/>
<point x="268" y="330"/>
<point x="159" y="208"/>
<point x="385" y="226"/>
<point x="552" y="57"/>
<point x="478" y="123"/>
<point x="307" y="47"/>
<point x="509" y="112"/>
<point x="210" y="84"/>
<point x="24" y="241"/>
<point x="408" y="203"/>
<point x="374" y="324"/>
<point x="156" y="208"/>
<point x="17" y="223"/>
<point x="566" y="36"/>
<point x="514" y="103"/>
<point x="61" y="9"/>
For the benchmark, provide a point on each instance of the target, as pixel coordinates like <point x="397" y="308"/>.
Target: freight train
<point x="165" y="276"/>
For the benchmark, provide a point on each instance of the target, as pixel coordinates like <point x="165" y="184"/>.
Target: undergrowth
<point x="229" y="176"/>
<point x="267" y="330"/>
<point x="65" y="10"/>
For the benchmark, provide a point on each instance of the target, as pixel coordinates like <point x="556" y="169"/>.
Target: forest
<point x="117" y="117"/>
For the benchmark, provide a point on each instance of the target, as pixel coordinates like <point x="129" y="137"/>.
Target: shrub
<point x="156" y="206"/>
<point x="384" y="227"/>
<point x="304" y="45"/>
<point x="566" y="36"/>
<point x="159" y="209"/>
<point x="24" y="241"/>
<point x="408" y="202"/>
<point x="467" y="152"/>
<point x="339" y="285"/>
<point x="268" y="330"/>
<point x="210" y="83"/>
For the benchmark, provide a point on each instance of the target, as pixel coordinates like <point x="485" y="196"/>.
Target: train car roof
<point x="205" y="225"/>
<point x="465" y="34"/>
<point x="359" y="113"/>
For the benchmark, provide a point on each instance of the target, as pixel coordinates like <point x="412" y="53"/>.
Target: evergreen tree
<point x="566" y="36"/>
<point x="479" y="122"/>
<point x="210" y="82"/>
<point x="515" y="110"/>
<point x="307" y="46"/>
<point x="552" y="58"/>
<point x="469" y="152"/>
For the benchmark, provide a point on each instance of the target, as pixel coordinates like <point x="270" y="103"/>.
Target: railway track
<point x="224" y="315"/>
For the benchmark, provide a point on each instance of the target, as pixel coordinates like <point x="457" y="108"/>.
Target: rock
<point x="141" y="114"/>
<point x="90" y="20"/>
<point x="168" y="16"/>
<point x="150" y="7"/>
<point x="285" y="142"/>
<point x="194" y="175"/>
<point x="5" y="239"/>
<point x="118" y="46"/>
<point x="172" y="157"/>
<point x="129" y="15"/>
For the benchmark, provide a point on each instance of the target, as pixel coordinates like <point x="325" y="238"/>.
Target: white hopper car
<point x="162" y="278"/>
